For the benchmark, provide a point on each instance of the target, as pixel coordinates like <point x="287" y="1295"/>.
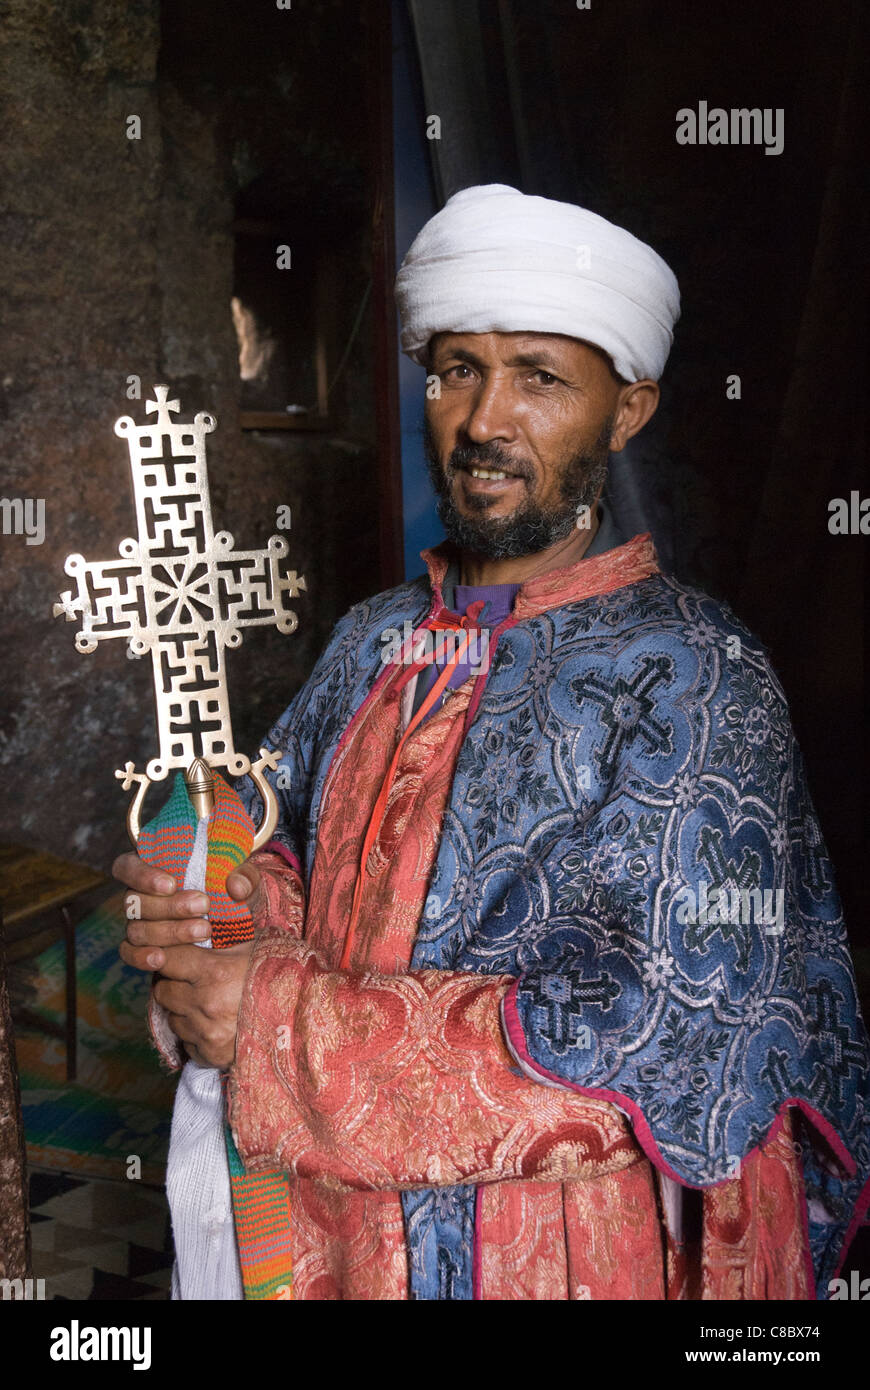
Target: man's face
<point x="519" y="438"/>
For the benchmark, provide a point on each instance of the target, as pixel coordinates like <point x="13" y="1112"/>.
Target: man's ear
<point x="638" y="402"/>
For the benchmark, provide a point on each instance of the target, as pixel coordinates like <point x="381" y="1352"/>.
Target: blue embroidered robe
<point x="631" y="757"/>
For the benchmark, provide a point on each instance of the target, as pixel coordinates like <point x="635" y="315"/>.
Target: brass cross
<point x="183" y="593"/>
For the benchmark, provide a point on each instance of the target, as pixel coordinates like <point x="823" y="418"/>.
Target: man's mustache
<point x="489" y="456"/>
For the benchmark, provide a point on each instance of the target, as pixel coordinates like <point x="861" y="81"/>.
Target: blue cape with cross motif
<point x="629" y="833"/>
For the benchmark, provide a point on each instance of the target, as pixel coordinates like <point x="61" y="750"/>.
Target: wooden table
<point x="34" y="885"/>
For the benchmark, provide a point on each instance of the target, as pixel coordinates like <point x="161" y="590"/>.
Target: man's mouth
<point x="476" y="470"/>
<point x="487" y="483"/>
<point x="498" y="474"/>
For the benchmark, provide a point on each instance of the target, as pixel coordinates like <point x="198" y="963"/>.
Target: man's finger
<point x="243" y="882"/>
<point x="184" y="1029"/>
<point x="142" y="957"/>
<point x="142" y="907"/>
<point x="142" y="933"/>
<point x="175" y="996"/>
<point x="188" y="1037"/>
<point x="186" y="964"/>
<point x="133" y="872"/>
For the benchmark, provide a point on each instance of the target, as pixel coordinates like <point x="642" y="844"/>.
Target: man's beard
<point x="531" y="527"/>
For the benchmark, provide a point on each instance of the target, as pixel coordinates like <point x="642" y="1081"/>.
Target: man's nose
<point x="491" y="413"/>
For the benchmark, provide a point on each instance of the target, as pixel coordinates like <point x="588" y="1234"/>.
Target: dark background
<point x="770" y="254"/>
<point x="121" y="257"/>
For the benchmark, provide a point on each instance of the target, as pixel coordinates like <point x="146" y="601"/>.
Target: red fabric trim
<point x="599" y="574"/>
<point x="477" y="1257"/>
<point x="380" y="806"/>
<point x="274" y="847"/>
<point x="480" y="683"/>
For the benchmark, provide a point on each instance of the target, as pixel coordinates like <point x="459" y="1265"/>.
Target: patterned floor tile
<point x="99" y="1240"/>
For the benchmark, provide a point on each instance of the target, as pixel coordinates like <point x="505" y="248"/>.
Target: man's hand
<point x="158" y="916"/>
<point x="201" y="992"/>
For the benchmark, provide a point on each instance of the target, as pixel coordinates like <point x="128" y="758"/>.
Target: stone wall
<point x="118" y="262"/>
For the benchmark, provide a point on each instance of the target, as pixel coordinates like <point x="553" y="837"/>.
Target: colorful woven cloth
<point x="261" y="1206"/>
<point x="167" y="841"/>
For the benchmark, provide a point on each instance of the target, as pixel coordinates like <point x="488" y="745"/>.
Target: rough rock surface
<point x="118" y="261"/>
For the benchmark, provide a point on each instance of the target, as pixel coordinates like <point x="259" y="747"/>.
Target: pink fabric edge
<point x="275" y="847"/>
<point x="517" y="1042"/>
<point x="604" y="575"/>
<point x="477" y="1257"/>
<point x="165" y="1041"/>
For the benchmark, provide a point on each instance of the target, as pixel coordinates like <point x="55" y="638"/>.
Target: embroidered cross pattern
<point x="561" y="998"/>
<point x="725" y="874"/>
<point x="627" y="710"/>
<point x="777" y="1074"/>
<point x="841" y="1048"/>
<point x="181" y="592"/>
<point x="805" y="832"/>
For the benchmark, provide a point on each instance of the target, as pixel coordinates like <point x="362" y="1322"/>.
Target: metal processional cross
<point x="183" y="593"/>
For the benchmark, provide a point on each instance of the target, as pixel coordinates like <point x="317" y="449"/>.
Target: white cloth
<point x="197" y="1172"/>
<point x="198" y="1188"/>
<point x="497" y="260"/>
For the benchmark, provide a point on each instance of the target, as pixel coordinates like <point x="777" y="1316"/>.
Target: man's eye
<point x="459" y="367"/>
<point x="546" y="378"/>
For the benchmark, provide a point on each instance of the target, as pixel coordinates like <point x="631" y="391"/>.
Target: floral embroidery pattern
<point x="502" y="777"/>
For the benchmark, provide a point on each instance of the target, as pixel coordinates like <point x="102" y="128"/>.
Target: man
<point x="551" y="996"/>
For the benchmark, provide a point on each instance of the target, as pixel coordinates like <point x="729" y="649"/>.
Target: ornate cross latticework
<point x="181" y="592"/>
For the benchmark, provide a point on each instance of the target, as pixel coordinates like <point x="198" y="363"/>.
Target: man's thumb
<point x="243" y="882"/>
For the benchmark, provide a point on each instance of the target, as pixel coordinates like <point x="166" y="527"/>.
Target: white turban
<point x="495" y="260"/>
